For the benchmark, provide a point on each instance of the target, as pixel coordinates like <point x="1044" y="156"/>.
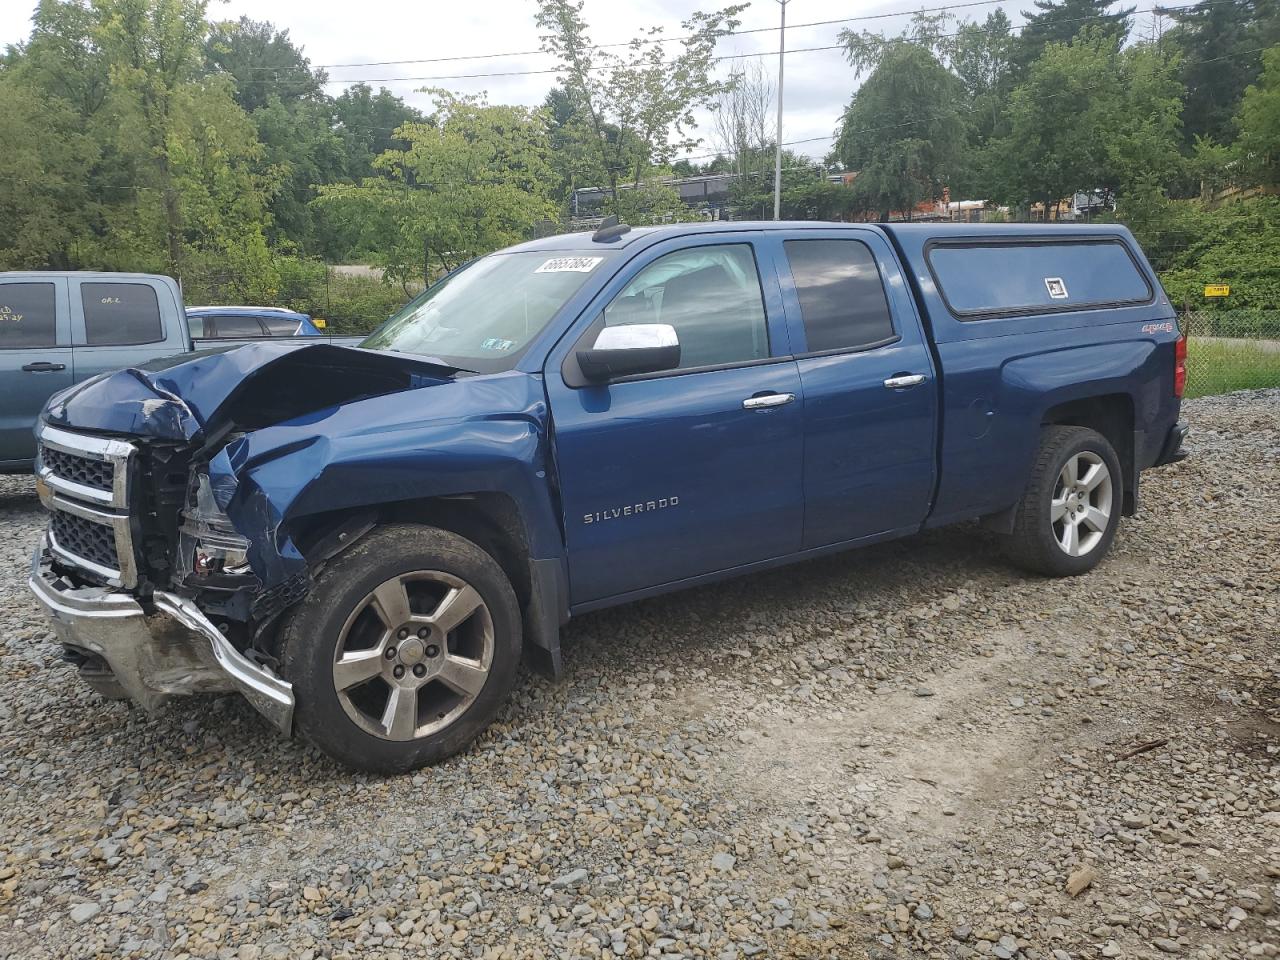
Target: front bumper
<point x="173" y="650"/>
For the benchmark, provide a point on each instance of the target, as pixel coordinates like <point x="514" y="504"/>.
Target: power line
<point x="650" y="40"/>
<point x="499" y="74"/>
<point x="657" y="40"/>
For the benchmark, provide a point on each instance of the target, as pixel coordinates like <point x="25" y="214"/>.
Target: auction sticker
<point x="569" y="265"/>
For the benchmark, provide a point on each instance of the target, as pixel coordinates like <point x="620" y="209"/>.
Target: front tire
<point x="1068" y="516"/>
<point x="404" y="651"/>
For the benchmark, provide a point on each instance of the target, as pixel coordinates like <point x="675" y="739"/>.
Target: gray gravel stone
<point x="770" y="724"/>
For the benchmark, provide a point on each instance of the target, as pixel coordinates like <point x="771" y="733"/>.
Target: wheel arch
<point x="491" y="520"/>
<point x="1112" y="415"/>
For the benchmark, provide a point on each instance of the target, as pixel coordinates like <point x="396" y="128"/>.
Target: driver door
<point x="670" y="476"/>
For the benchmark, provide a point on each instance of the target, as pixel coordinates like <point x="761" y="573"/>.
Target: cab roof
<point x="582" y="241"/>
<point x="247" y="311"/>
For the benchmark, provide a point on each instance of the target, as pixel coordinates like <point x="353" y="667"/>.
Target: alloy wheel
<point x="413" y="655"/>
<point x="1082" y="502"/>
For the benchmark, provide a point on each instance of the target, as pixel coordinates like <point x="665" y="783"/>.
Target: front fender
<point x="381" y="451"/>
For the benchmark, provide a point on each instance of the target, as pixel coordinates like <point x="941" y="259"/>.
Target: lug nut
<point x="398" y="672"/>
<point x="419" y="670"/>
<point x="403" y="632"/>
<point x="422" y="634"/>
<point x="432" y="650"/>
<point x="391" y="653"/>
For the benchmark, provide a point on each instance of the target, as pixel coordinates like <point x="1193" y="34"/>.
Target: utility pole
<point x="777" y="154"/>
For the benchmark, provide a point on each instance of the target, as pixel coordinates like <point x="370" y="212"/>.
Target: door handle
<point x="43" y="366"/>
<point x="904" y="380"/>
<point x="767" y="400"/>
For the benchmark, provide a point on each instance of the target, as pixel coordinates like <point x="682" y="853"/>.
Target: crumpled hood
<point x="190" y="395"/>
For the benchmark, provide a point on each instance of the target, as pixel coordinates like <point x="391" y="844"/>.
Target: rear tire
<point x="1069" y="513"/>
<point x="404" y="651"/>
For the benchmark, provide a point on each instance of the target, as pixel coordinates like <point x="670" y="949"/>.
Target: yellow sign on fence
<point x="1216" y="290"/>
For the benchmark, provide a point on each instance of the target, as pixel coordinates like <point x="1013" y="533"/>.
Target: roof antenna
<point x="609" y="230"/>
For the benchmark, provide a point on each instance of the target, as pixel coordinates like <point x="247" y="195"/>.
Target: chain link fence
<point x="1231" y="350"/>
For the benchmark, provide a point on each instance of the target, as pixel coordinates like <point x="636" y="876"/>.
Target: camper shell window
<point x="1003" y="278"/>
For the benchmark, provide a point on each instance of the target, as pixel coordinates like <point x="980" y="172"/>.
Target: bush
<point x="1237" y="244"/>
<point x="351" y="305"/>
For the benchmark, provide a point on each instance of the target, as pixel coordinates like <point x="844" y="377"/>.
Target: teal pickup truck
<point x="57" y="329"/>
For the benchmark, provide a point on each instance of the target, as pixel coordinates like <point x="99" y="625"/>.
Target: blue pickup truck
<point x="365" y="541"/>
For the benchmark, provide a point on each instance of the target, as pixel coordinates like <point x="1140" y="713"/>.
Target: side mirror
<point x="631" y="349"/>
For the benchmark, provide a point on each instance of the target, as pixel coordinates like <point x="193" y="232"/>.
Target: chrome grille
<point x="98" y="474"/>
<point x="84" y="538"/>
<point x="84" y="481"/>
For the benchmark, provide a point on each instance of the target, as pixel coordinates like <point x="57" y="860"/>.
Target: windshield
<point x="482" y="317"/>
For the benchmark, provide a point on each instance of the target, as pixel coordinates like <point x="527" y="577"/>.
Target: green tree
<point x="51" y="89"/>
<point x="295" y="121"/>
<point x="45" y="204"/>
<point x="645" y="93"/>
<point x="473" y="178"/>
<point x="367" y="123"/>
<point x="982" y="58"/>
<point x="1090" y="118"/>
<point x="575" y="157"/>
<point x="1220" y="43"/>
<point x="263" y="62"/>
<point x="807" y="194"/>
<point x="1259" y="144"/>
<point x="903" y="132"/>
<point x="155" y="52"/>
<point x="1063" y="21"/>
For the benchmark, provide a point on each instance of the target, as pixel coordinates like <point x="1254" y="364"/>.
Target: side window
<point x="281" y="326"/>
<point x="842" y="299"/>
<point x="235" y="326"/>
<point x="710" y="295"/>
<point x="28" y="315"/>
<point x="120" y="313"/>
<point x="196" y="326"/>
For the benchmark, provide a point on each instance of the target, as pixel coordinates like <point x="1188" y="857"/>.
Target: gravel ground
<point x="904" y="752"/>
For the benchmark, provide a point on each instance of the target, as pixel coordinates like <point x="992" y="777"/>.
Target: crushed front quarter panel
<point x="466" y="436"/>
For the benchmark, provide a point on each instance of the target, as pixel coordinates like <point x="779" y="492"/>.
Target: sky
<point x="818" y="83"/>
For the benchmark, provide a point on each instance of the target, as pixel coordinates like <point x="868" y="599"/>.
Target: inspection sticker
<point x="569" y="265"/>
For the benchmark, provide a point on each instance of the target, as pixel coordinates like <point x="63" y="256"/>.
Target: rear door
<point x="870" y="396"/>
<point x="35" y="358"/>
<point x="670" y="476"/>
<point x="282" y="325"/>
<point x="231" y="329"/>
<point x="122" y="323"/>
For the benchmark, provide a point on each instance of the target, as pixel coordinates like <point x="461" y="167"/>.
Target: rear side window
<point x="120" y="313"/>
<point x="231" y="326"/>
<point x="710" y="295"/>
<point x="994" y="279"/>
<point x="281" y="326"/>
<point x="842" y="300"/>
<point x="27" y="315"/>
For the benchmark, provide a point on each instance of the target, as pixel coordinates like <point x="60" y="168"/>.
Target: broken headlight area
<point x="211" y="552"/>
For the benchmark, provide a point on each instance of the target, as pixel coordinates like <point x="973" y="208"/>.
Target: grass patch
<point x="1217" y="367"/>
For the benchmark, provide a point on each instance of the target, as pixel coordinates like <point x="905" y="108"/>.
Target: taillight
<point x="1180" y="366"/>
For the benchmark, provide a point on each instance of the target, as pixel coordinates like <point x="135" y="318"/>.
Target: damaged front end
<point x="160" y="575"/>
